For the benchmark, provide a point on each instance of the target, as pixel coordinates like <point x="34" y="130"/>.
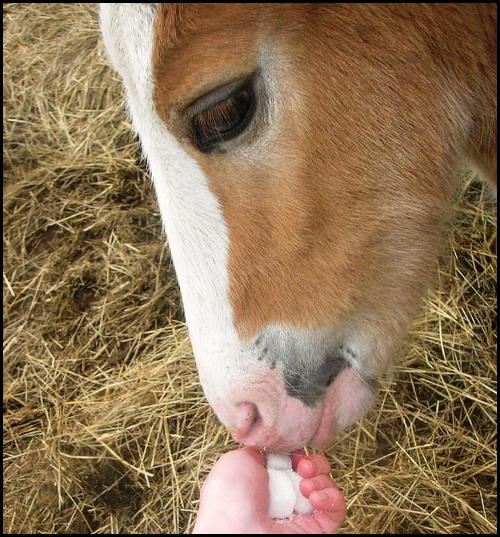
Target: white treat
<point x="276" y="461"/>
<point x="302" y="504"/>
<point x="284" y="494"/>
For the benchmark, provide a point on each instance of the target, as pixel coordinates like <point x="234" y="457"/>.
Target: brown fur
<point x="338" y="215"/>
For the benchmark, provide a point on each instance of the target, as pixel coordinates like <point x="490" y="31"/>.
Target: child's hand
<point x="235" y="496"/>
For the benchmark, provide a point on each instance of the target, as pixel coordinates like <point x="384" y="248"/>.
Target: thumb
<point x="240" y="477"/>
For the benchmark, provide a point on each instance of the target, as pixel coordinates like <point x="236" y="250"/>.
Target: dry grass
<point x="105" y="426"/>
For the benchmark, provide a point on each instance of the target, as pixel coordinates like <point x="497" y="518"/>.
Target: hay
<point x="106" y="429"/>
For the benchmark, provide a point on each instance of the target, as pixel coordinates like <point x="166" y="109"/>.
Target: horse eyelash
<point x="209" y="121"/>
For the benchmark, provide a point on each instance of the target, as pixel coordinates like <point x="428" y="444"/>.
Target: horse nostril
<point x="247" y="415"/>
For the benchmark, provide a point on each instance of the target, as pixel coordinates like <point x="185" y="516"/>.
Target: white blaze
<point x="191" y="214"/>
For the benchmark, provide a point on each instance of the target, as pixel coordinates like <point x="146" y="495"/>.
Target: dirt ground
<point x="106" y="429"/>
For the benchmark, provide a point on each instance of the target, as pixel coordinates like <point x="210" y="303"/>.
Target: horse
<point x="305" y="158"/>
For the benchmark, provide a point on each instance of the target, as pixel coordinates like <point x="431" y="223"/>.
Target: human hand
<point x="235" y="496"/>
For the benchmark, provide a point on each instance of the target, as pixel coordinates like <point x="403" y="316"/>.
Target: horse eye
<point x="225" y="119"/>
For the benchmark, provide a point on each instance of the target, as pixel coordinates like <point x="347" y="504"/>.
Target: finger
<point x="313" y="465"/>
<point x="297" y="456"/>
<point x="326" y="499"/>
<point x="315" y="483"/>
<point x="330" y="521"/>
